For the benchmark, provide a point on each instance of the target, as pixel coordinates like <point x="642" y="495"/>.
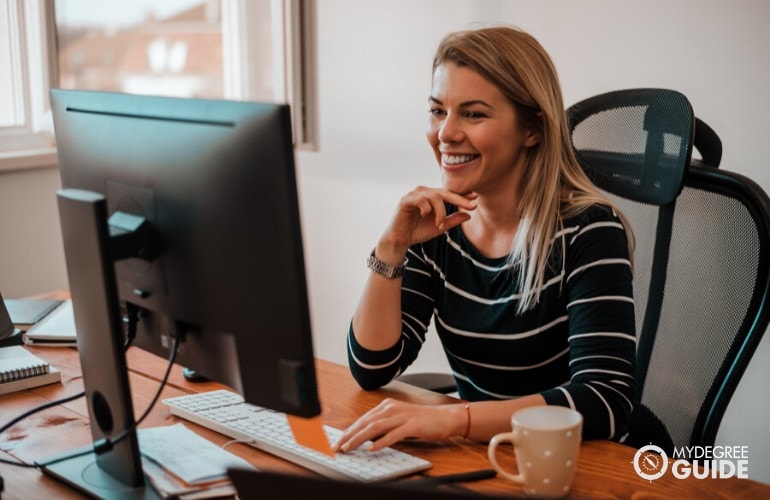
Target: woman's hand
<point x="392" y="421"/>
<point x="421" y="216"/>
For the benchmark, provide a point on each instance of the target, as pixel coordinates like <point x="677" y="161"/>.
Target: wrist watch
<point x="384" y="269"/>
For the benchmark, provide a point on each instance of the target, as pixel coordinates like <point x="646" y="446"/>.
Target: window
<point x="11" y="109"/>
<point x="234" y="49"/>
<point x="26" y="137"/>
<point x="171" y="48"/>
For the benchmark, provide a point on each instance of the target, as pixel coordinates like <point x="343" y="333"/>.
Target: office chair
<point x="702" y="257"/>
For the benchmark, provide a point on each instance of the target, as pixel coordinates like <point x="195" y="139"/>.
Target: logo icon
<point x="650" y="462"/>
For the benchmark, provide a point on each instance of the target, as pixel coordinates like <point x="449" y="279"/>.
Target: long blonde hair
<point x="556" y="187"/>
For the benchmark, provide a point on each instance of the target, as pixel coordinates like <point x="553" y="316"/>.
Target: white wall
<point x="373" y="82"/>
<point x="31" y="255"/>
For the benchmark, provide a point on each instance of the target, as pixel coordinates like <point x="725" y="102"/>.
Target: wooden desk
<point x="604" y="468"/>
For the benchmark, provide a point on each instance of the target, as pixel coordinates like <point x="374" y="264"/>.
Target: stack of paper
<point x="180" y="463"/>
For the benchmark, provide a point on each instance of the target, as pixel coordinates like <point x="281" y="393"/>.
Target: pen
<point x="461" y="477"/>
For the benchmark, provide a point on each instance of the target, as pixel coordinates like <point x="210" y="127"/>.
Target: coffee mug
<point x="546" y="442"/>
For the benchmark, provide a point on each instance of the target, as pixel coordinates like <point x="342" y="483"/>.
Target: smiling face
<point x="474" y="132"/>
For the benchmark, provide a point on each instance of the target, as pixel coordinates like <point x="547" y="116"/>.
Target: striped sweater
<point x="576" y="347"/>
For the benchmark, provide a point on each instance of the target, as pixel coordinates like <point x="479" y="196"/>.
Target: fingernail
<point x="345" y="447"/>
<point x="441" y="227"/>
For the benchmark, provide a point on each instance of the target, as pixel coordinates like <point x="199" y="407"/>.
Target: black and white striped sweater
<point x="576" y="347"/>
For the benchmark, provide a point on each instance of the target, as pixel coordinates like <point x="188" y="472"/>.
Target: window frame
<point x="32" y="145"/>
<point x="293" y="54"/>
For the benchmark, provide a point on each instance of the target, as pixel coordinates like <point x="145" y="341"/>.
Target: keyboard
<point x="227" y="413"/>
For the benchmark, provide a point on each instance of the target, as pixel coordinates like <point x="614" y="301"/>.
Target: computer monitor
<point x="187" y="210"/>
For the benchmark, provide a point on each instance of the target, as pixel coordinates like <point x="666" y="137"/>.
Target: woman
<point x="523" y="265"/>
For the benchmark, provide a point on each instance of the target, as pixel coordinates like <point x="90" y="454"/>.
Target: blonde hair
<point x="556" y="187"/>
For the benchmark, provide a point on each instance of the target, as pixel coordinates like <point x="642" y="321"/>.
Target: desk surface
<point x="604" y="468"/>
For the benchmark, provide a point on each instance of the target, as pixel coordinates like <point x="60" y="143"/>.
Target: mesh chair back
<point x="701" y="263"/>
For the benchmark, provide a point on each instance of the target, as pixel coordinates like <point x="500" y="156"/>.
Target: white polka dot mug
<point x="546" y="442"/>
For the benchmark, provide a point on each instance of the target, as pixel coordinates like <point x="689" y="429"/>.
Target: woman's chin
<point x="457" y="188"/>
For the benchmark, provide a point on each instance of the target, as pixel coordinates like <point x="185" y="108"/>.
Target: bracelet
<point x="468" y="424"/>
<point x="384" y="269"/>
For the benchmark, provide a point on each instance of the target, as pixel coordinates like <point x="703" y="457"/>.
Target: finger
<point x="439" y="209"/>
<point x="371" y="432"/>
<point x="466" y="201"/>
<point x="343" y="443"/>
<point x="425" y="207"/>
<point x="455" y="220"/>
<point x="365" y="420"/>
<point x="390" y="438"/>
<point x="347" y="434"/>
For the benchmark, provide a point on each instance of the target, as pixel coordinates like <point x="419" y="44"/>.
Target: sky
<point x="115" y="13"/>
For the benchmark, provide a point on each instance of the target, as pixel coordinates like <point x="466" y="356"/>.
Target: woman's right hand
<point x="421" y="216"/>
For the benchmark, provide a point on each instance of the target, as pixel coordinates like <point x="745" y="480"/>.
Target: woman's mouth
<point x="455" y="161"/>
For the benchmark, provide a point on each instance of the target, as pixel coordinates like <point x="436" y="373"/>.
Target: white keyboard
<point x="227" y="413"/>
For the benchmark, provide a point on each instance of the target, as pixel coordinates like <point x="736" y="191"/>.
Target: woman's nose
<point x="450" y="130"/>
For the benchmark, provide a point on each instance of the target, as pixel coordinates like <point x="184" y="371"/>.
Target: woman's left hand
<point x="392" y="421"/>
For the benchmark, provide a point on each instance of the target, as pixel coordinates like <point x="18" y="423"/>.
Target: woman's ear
<point x="531" y="138"/>
<point x="533" y="131"/>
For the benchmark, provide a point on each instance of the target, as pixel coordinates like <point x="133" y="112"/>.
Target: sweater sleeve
<point x="602" y="341"/>
<point x="373" y="369"/>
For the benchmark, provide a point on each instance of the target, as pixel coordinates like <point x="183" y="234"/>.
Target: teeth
<point x="455" y="159"/>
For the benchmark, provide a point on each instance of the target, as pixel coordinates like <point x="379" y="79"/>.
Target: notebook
<point x="26" y="312"/>
<point x="56" y="329"/>
<point x="20" y="369"/>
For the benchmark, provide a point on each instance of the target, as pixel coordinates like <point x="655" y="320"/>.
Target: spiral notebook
<point x="20" y="369"/>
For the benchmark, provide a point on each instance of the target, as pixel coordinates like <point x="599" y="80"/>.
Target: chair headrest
<point x="635" y="143"/>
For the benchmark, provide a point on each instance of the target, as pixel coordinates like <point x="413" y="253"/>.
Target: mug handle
<point x="502" y="438"/>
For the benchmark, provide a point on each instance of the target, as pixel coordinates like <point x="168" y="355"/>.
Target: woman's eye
<point x="475" y="115"/>
<point x="436" y="111"/>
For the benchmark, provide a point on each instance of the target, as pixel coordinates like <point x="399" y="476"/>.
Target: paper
<point x="187" y="455"/>
<point x="169" y="486"/>
<point x="310" y="432"/>
<point x="57" y="328"/>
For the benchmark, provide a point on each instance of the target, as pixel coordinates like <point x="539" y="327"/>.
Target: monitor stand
<point x="117" y="471"/>
<point x="80" y="469"/>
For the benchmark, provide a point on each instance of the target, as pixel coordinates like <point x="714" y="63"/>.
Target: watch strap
<point x="384" y="269"/>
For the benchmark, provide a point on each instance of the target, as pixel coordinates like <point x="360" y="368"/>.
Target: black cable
<point x="42" y="407"/>
<point x="106" y="444"/>
<point x="29" y="413"/>
<point x="131" y="319"/>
